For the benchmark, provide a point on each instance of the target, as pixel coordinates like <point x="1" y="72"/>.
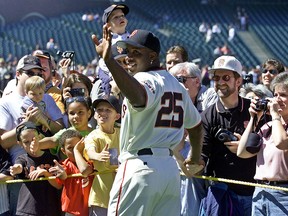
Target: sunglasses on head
<point x="86" y="100"/>
<point x="272" y="71"/>
<point x="183" y="79"/>
<point x="30" y="73"/>
<point x="225" y="78"/>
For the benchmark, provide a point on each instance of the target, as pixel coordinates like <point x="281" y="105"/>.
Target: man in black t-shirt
<point x="223" y="124"/>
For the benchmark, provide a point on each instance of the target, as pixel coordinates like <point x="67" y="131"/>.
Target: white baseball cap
<point x="227" y="63"/>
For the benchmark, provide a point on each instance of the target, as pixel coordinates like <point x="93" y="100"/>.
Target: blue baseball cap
<point x="113" y="101"/>
<point x="113" y="7"/>
<point x="142" y="39"/>
<point x="118" y="52"/>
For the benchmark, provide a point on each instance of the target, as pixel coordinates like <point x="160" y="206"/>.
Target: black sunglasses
<point x="270" y="71"/>
<point x="225" y="78"/>
<point x="183" y="79"/>
<point x="30" y="73"/>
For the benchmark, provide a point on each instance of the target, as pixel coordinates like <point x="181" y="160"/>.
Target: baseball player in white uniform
<point x="155" y="111"/>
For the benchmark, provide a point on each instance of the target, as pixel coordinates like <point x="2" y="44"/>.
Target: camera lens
<point x="223" y="137"/>
<point x="261" y="105"/>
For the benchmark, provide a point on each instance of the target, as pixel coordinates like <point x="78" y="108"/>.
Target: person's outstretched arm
<point x="128" y="85"/>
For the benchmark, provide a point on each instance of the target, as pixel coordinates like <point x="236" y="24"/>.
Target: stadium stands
<point x="270" y="25"/>
<point x="174" y="23"/>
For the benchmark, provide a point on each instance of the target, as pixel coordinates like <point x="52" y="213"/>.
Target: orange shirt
<point x="75" y="193"/>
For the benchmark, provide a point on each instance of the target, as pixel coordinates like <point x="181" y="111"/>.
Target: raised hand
<point x="80" y="145"/>
<point x="66" y="93"/>
<point x="104" y="48"/>
<point x="34" y="146"/>
<point x="64" y="64"/>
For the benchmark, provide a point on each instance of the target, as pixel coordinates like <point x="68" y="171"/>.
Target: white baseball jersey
<point x="161" y="123"/>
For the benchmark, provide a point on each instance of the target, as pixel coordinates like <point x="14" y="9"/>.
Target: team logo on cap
<point x="31" y="61"/>
<point x="120" y="49"/>
<point x="221" y="62"/>
<point x="133" y="33"/>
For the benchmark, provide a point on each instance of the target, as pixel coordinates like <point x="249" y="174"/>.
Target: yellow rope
<point x="200" y="177"/>
<point x="242" y="183"/>
<point x="51" y="177"/>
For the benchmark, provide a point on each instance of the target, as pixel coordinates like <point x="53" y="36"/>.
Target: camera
<point x="247" y="78"/>
<point x="77" y="92"/>
<point x="224" y="135"/>
<point x="261" y="105"/>
<point x="66" y="54"/>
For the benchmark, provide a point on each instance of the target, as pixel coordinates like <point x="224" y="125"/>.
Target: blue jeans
<point x="246" y="202"/>
<point x="222" y="201"/>
<point x="269" y="201"/>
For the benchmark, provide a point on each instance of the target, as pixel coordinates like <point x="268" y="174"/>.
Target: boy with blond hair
<point x="48" y="115"/>
<point x="102" y="147"/>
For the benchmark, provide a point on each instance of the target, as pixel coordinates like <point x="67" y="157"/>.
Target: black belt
<point x="267" y="182"/>
<point x="148" y="151"/>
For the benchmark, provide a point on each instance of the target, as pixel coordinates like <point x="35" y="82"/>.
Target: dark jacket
<point x="220" y="161"/>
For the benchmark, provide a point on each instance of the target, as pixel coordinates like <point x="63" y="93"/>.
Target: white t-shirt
<point x="10" y="115"/>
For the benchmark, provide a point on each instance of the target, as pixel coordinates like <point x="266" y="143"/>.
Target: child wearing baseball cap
<point x="102" y="147"/>
<point x="115" y="16"/>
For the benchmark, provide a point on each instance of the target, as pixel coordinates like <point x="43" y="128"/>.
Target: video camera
<point x="66" y="54"/>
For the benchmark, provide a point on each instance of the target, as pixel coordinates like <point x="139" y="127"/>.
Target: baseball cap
<point x="227" y="63"/>
<point x="113" y="101"/>
<point x="118" y="52"/>
<point x="113" y="7"/>
<point x="24" y="126"/>
<point x="141" y="38"/>
<point x="29" y="62"/>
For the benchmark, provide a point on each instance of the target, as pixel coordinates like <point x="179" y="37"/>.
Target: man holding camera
<point x="223" y="122"/>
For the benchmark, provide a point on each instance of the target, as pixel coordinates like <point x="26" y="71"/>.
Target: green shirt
<point x="56" y="150"/>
